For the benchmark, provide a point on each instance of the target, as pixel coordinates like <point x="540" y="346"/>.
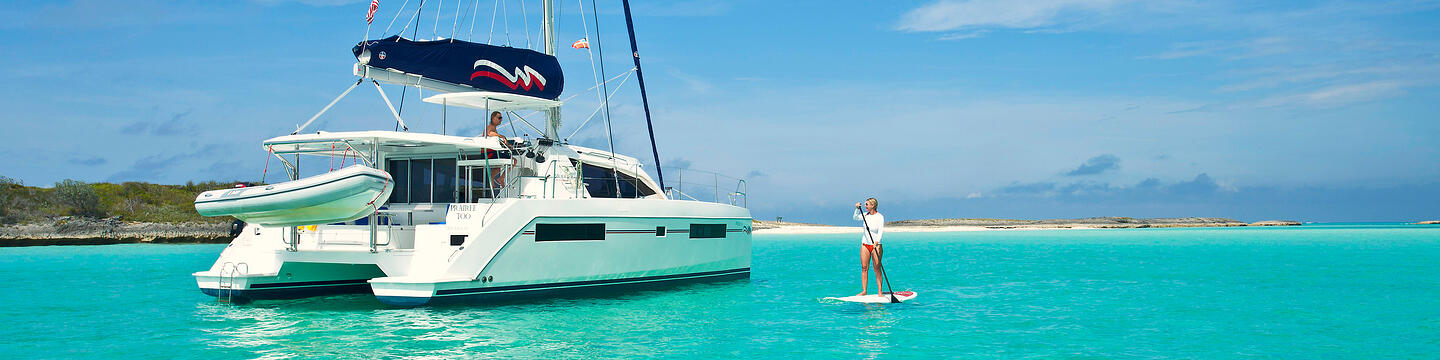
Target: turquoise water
<point x="1343" y="291"/>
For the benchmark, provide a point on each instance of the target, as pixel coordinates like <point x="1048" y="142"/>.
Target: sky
<point x="1296" y="110"/>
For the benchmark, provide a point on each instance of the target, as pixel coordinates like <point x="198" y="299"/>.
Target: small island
<point x="1431" y="222"/>
<point x="943" y="225"/>
<point x="79" y="213"/>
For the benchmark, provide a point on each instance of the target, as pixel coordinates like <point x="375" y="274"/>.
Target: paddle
<point x="879" y="269"/>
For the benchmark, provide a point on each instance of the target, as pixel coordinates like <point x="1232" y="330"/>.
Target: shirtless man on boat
<point x="493" y="129"/>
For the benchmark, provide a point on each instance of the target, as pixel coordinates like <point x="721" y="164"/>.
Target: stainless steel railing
<point x="704" y="185"/>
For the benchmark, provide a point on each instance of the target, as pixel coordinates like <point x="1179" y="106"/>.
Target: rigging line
<point x="525" y="18"/>
<point x="474" y="15"/>
<point x="585" y="27"/>
<point x="609" y="131"/>
<point x="435" y="30"/>
<point x="415" y="18"/>
<point x="612" y="79"/>
<point x="493" y="12"/>
<point x="522" y="119"/>
<point x="456" y="25"/>
<point x="585" y="24"/>
<point x="505" y="6"/>
<point x="396" y="17"/>
<point x="597" y="108"/>
<point x="406" y="89"/>
<point x="512" y="127"/>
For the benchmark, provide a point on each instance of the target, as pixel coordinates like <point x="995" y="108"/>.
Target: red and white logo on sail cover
<point x="523" y="77"/>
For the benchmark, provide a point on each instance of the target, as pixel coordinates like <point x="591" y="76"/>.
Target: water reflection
<point x="342" y="326"/>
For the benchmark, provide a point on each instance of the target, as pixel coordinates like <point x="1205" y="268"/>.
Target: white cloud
<point x="1338" y="95"/>
<point x="1244" y="49"/>
<point x="695" y="83"/>
<point x="964" y="35"/>
<point x="950" y="15"/>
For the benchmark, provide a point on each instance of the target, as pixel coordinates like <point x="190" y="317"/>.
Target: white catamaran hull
<point x="507" y="249"/>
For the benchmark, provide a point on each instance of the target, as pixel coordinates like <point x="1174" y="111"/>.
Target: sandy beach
<point x="960" y="225"/>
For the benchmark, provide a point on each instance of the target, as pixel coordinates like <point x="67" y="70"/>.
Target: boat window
<point x="422" y="180"/>
<point x="659" y="231"/>
<point x="444" y="181"/>
<point x="400" y="172"/>
<point x="601" y="183"/>
<point x="569" y="232"/>
<point x="706" y="231"/>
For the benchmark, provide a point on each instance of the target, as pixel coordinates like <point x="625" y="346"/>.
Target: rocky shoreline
<point x="87" y="231"/>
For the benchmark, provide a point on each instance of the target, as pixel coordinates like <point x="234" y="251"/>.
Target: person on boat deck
<point x="497" y="178"/>
<point x="870" y="250"/>
<point x="492" y="129"/>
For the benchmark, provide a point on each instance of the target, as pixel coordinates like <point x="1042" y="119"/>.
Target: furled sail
<point x="480" y="66"/>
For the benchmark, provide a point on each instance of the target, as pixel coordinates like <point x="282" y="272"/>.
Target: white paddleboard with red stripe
<point x="903" y="296"/>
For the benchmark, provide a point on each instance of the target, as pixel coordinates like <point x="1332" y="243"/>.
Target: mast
<point x="548" y="34"/>
<point x="644" y="100"/>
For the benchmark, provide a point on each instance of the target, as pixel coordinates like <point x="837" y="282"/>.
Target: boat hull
<point x="471" y="258"/>
<point x="464" y="293"/>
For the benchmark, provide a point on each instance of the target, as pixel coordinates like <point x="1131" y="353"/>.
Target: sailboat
<point x="470" y="219"/>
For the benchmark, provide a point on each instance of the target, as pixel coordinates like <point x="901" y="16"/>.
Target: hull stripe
<point x="310" y="283"/>
<point x="446" y="292"/>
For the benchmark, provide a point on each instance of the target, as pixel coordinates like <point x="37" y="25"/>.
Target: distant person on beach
<point x="870" y="250"/>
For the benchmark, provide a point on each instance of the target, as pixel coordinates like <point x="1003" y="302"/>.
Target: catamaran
<point x="425" y="218"/>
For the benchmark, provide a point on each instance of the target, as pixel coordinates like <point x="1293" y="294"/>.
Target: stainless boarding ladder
<point x="225" y="290"/>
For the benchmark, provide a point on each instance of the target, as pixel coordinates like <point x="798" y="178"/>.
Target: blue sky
<point x="1312" y="111"/>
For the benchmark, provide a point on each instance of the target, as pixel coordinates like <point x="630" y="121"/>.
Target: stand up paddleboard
<point x="884" y="298"/>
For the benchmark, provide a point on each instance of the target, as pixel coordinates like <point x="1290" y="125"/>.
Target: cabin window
<point x="659" y="231"/>
<point x="422" y="180"/>
<point x="443" y="181"/>
<point x="601" y="183"/>
<point x="569" y="232"/>
<point x="400" y="172"/>
<point x="707" y="231"/>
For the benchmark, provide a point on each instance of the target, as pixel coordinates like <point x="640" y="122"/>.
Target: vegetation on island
<point x="128" y="201"/>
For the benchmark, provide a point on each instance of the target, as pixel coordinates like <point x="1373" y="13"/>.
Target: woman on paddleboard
<point x="870" y="251"/>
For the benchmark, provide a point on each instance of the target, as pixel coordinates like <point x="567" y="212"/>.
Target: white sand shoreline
<point x="822" y="229"/>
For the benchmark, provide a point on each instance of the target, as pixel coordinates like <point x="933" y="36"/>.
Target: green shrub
<point x="80" y="197"/>
<point x="9" y="187"/>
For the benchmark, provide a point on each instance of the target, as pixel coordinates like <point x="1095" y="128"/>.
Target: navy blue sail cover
<point x="483" y="67"/>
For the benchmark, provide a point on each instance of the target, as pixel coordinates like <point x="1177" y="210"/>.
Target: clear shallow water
<point x="1344" y="291"/>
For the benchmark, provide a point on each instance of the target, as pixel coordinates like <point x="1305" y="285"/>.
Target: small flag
<point x="581" y="44"/>
<point x="370" y="16"/>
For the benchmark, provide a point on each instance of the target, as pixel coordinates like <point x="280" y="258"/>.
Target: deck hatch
<point x="569" y="232"/>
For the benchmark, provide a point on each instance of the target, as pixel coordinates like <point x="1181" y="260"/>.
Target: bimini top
<point x="495" y="101"/>
<point x="482" y="67"/>
<point x="350" y="142"/>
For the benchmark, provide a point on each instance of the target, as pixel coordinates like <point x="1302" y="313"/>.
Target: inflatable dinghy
<point x="347" y="194"/>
